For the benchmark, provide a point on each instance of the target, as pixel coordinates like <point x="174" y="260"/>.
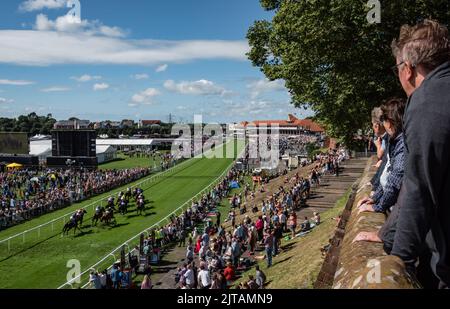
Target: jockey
<point x="140" y="200"/>
<point x="98" y="209"/>
<point x="74" y="216"/>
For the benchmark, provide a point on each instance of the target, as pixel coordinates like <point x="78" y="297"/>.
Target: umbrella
<point x="14" y="165"/>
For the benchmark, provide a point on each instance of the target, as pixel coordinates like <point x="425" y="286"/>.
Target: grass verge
<point x="300" y="261"/>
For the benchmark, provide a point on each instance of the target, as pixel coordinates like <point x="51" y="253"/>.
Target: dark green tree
<point x="333" y="60"/>
<point x="31" y="124"/>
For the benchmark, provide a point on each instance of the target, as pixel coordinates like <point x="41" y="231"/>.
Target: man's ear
<point x="410" y="72"/>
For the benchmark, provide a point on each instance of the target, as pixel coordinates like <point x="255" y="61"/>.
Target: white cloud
<point x="4" y="100"/>
<point x="112" y="31"/>
<point x="144" y="97"/>
<point x="200" y="87"/>
<point x="251" y="110"/>
<point x="264" y="85"/>
<point x="15" y="82"/>
<point x="37" y="5"/>
<point x="41" y="48"/>
<point x="101" y="86"/>
<point x="56" y="89"/>
<point x="68" y="24"/>
<point x="86" y="78"/>
<point x="141" y="76"/>
<point x="161" y="68"/>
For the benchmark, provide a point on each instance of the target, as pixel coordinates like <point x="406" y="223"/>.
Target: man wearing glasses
<point x="423" y="68"/>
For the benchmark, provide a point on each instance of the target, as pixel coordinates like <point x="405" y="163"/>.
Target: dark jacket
<point x="386" y="197"/>
<point x="424" y="216"/>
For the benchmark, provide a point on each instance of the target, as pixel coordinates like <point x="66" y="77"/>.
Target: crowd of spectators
<point x="217" y="251"/>
<point x="215" y="255"/>
<point x="29" y="193"/>
<point x="297" y="144"/>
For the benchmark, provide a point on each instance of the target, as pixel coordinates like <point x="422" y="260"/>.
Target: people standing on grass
<point x="292" y="222"/>
<point x="204" y="279"/>
<point x="115" y="276"/>
<point x="229" y="274"/>
<point x="146" y="283"/>
<point x="216" y="247"/>
<point x="94" y="280"/>
<point x="189" y="277"/>
<point x="268" y="245"/>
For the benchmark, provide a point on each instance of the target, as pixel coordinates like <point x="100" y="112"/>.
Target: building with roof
<point x="290" y="127"/>
<point x="149" y="123"/>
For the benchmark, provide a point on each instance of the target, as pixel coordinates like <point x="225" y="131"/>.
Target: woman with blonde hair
<point x="146" y="283"/>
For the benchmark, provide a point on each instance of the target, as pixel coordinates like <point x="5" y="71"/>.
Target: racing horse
<point x="123" y="206"/>
<point x="140" y="205"/>
<point x="98" y="215"/>
<point x="75" y="223"/>
<point x="108" y="216"/>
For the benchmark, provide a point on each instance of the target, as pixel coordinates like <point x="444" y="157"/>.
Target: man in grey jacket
<point x="423" y="65"/>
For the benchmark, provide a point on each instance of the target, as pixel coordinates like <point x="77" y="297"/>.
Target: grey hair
<point x="426" y="44"/>
<point x="376" y="115"/>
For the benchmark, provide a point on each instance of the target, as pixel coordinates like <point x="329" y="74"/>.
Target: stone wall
<point x="365" y="265"/>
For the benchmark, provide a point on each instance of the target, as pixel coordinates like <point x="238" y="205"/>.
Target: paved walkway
<point x="332" y="188"/>
<point x="322" y="199"/>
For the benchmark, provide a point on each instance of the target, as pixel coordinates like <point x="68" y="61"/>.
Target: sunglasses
<point x="395" y="68"/>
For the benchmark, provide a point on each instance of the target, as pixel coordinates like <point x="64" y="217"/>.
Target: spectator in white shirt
<point x="204" y="278"/>
<point x="189" y="277"/>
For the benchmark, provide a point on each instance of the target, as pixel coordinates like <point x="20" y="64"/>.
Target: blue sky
<point x="136" y="59"/>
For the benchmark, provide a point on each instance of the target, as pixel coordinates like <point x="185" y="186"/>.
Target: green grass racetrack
<point x="41" y="262"/>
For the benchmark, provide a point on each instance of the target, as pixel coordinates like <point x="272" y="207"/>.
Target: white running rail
<point x="126" y="243"/>
<point x="100" y="201"/>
